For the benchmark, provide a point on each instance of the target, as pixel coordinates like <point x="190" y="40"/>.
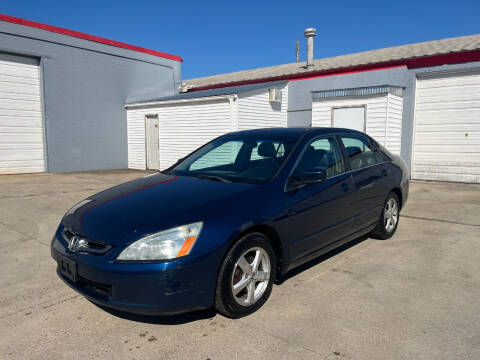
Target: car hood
<point x="129" y="211"/>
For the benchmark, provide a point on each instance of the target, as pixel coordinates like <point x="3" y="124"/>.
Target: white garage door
<point x="21" y="124"/>
<point x="447" y="128"/>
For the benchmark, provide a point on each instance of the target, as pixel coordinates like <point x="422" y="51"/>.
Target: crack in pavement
<point x="29" y="236"/>
<point x="438" y="220"/>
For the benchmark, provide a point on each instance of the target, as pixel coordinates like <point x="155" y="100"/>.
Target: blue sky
<point x="223" y="36"/>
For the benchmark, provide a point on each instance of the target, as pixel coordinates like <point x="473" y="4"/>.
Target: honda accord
<point x="219" y="226"/>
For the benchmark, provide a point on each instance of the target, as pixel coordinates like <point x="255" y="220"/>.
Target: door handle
<point x="385" y="172"/>
<point x="344" y="187"/>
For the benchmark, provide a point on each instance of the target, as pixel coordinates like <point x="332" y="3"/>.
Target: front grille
<point x="84" y="245"/>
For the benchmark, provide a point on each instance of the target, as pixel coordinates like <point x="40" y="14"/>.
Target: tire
<point x="253" y="286"/>
<point x="385" y="229"/>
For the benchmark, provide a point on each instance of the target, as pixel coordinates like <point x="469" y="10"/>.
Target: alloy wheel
<point x="251" y="275"/>
<point x="390" y="215"/>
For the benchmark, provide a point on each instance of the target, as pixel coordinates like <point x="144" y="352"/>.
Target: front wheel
<point x="246" y="276"/>
<point x="388" y="222"/>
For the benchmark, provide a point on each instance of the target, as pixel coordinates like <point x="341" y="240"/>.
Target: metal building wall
<point x="300" y="97"/>
<point x="85" y="87"/>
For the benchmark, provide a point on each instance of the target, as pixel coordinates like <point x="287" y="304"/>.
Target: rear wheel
<point x="388" y="222"/>
<point x="246" y="276"/>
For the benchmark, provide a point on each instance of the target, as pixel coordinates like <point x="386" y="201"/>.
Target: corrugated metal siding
<point x="136" y="138"/>
<point x="182" y="129"/>
<point x="376" y="114"/>
<point x="363" y="91"/>
<point x="447" y="128"/>
<point x="21" y="120"/>
<point x="255" y="111"/>
<point x="394" y="125"/>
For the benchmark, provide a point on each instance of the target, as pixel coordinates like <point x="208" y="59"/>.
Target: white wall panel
<point x="255" y="111"/>
<point x="183" y="127"/>
<point x="447" y="128"/>
<point x="383" y="119"/>
<point x="136" y="138"/>
<point x="394" y="123"/>
<point x="21" y="122"/>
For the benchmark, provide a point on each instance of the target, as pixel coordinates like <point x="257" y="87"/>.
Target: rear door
<point x="317" y="213"/>
<point x="370" y="175"/>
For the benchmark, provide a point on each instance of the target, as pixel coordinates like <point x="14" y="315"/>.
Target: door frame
<point x="145" y="137"/>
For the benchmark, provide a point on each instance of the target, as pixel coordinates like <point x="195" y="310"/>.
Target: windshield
<point x="237" y="158"/>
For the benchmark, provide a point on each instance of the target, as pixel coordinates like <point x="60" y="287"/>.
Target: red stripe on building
<point x="434" y="60"/>
<point x="349" y="72"/>
<point x="59" y="30"/>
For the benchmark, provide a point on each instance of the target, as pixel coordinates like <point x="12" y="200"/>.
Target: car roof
<point x="295" y="131"/>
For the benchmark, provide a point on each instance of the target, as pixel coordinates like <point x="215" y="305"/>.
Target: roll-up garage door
<point x="21" y="121"/>
<point x="447" y="128"/>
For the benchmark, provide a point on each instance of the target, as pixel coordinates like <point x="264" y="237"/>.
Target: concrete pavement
<point x="415" y="296"/>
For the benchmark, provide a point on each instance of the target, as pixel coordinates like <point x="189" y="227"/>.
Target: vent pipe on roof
<point x="297" y="51"/>
<point x="310" y="34"/>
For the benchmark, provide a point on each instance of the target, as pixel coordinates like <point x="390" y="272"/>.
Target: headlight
<point x="168" y="244"/>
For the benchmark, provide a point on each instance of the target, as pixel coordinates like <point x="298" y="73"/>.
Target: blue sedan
<point x="217" y="228"/>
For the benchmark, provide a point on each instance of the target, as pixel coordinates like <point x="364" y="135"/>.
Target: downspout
<point x="233" y="101"/>
<point x="387" y="120"/>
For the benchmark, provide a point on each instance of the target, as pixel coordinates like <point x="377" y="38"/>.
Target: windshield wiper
<point x="214" y="178"/>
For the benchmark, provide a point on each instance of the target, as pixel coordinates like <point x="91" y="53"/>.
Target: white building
<point x="421" y="101"/>
<point x="162" y="131"/>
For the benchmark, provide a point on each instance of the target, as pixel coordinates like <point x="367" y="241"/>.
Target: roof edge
<point x="80" y="35"/>
<point x="411" y="63"/>
<point x="180" y="101"/>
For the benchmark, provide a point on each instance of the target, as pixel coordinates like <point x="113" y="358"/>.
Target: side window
<point x="225" y="154"/>
<point x="322" y="154"/>
<point x="359" y="152"/>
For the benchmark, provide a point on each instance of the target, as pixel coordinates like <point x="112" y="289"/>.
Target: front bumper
<point x="159" y="288"/>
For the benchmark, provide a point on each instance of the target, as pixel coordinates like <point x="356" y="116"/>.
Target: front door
<point x="317" y="213"/>
<point x="151" y="142"/>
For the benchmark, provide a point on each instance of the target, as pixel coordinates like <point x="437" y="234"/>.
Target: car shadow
<point x="210" y="313"/>
<point x="309" y="264"/>
<point x="161" y="320"/>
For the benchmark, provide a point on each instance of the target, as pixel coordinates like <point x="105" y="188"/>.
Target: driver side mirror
<point x="303" y="178"/>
